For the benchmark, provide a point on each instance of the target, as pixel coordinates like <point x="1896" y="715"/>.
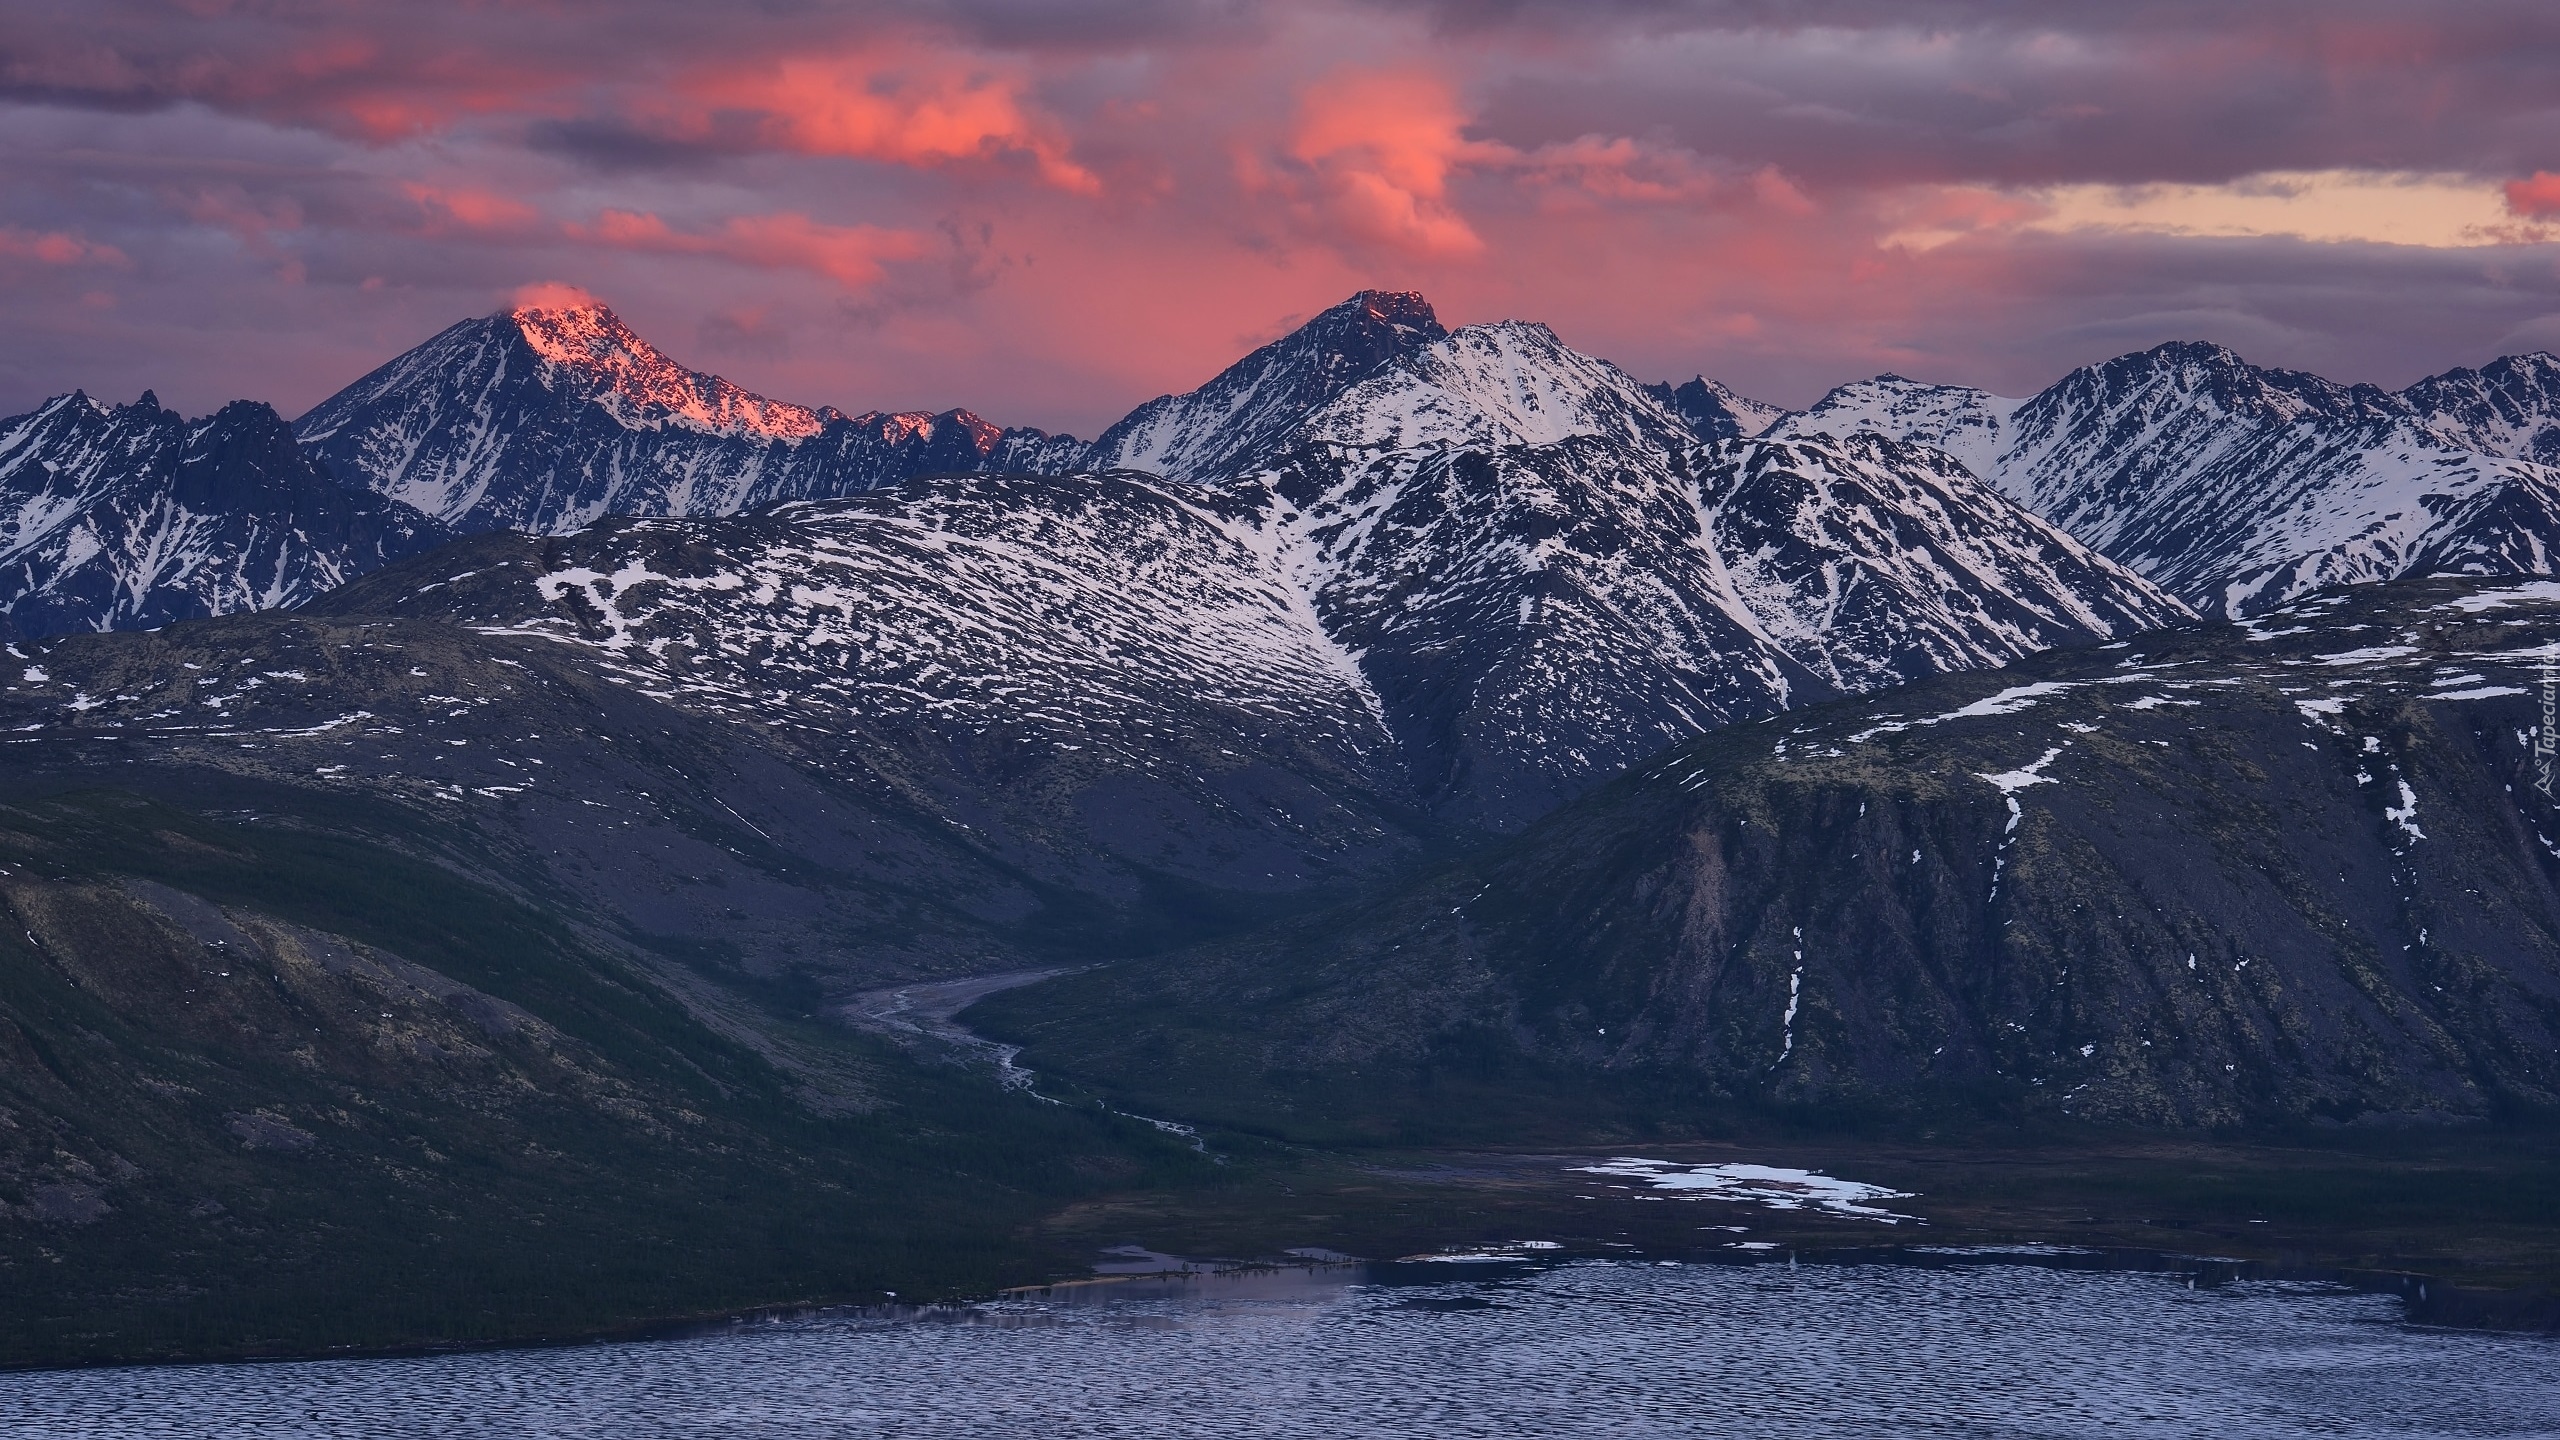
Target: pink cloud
<point x="468" y="208"/>
<point x="1377" y="153"/>
<point x="853" y="256"/>
<point x="2535" y="197"/>
<point x="57" y="247"/>
<point x="1618" y="168"/>
<point x="1380" y="146"/>
<point x="1065" y="209"/>
<point x="919" y="106"/>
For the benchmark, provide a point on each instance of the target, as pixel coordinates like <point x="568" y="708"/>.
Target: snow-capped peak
<point x="1714" y="411"/>
<point x="1510" y="382"/>
<point x="129" y="517"/>
<point x="1971" y="425"/>
<point x="549" y="416"/>
<point x="1378" y="372"/>
<point x="2195" y="375"/>
<point x="1252" y="408"/>
<point x="588" y="345"/>
<point x="2508" y="407"/>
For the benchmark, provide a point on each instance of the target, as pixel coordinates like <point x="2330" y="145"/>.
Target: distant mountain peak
<point x="1244" y="412"/>
<point x="554" y="413"/>
<point x="1404" y="309"/>
<point x="74" y="399"/>
<point x="1713" y="410"/>
<point x="961" y="430"/>
<point x="1363" y="332"/>
<point x="2193" y="352"/>
<point x="2207" y="371"/>
<point x="634" y="378"/>
<point x="130" y="517"/>
<point x="2508" y="407"/>
<point x="1530" y="332"/>
<point x="1503" y="382"/>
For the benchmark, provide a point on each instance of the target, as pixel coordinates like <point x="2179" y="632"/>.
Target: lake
<point x="1629" y="1348"/>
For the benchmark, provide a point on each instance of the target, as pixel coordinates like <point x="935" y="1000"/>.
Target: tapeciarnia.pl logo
<point x="2546" y="744"/>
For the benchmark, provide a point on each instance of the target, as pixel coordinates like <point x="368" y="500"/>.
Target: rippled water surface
<point x="1625" y="1349"/>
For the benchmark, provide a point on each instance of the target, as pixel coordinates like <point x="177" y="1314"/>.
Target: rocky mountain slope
<point x="979" y="721"/>
<point x="128" y="517"/>
<point x="1473" y="636"/>
<point x="2509" y="407"/>
<point x="2238" y="487"/>
<point x="1545" y="572"/>
<point x="1103" y="666"/>
<point x="775" y="834"/>
<point x="1254" y="407"/>
<point x="547" y="417"/>
<point x="2294" y="871"/>
<point x="1535" y="617"/>
<point x="1713" y="411"/>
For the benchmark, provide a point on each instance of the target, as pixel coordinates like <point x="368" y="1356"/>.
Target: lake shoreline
<point x="2426" y="1300"/>
<point x="1951" y="1343"/>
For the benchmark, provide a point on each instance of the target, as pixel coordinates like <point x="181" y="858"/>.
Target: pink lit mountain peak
<point x="590" y="345"/>
<point x="553" y="413"/>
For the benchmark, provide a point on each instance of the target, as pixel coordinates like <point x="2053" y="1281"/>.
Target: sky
<point x="1050" y="212"/>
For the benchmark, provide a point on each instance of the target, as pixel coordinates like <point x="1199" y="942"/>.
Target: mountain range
<point x="2230" y="486"/>
<point x="2239" y="488"/>
<point x="1523" y="568"/>
<point x="1376" y="591"/>
<point x="1429" y="581"/>
<point x="479" y="852"/>
<point x="944" y="722"/>
<point x="127" y="517"/>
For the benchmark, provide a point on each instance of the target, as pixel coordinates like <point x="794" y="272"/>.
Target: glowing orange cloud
<point x="1924" y="217"/>
<point x="56" y="247"/>
<point x="850" y="255"/>
<point x="2535" y="196"/>
<point x="1382" y="145"/>
<point x="466" y="209"/>
<point x="552" y="295"/>
<point x="923" y="109"/>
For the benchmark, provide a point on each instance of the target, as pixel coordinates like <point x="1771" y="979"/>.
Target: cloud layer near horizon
<point x="1049" y="213"/>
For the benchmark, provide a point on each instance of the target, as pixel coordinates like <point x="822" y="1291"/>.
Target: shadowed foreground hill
<point x="266" y="1088"/>
<point x="2292" y="872"/>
